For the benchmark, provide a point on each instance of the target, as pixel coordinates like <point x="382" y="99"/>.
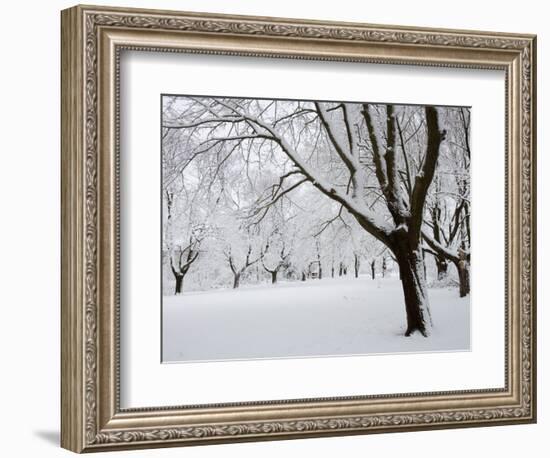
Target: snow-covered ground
<point x="303" y="319"/>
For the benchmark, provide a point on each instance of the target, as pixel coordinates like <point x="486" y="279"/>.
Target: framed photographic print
<point x="278" y="228"/>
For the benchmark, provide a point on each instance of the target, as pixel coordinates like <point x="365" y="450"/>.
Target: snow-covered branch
<point x="425" y="176"/>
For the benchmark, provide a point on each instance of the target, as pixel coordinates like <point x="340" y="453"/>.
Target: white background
<point x="29" y="242"/>
<point x="145" y="76"/>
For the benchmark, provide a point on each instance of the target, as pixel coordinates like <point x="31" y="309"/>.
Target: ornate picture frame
<point x="92" y="40"/>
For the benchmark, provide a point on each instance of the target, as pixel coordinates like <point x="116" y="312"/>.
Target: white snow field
<point x="329" y="317"/>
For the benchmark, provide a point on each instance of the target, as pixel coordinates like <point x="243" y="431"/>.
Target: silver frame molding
<point x="92" y="39"/>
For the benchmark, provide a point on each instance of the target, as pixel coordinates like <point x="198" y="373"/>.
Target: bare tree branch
<point x="425" y="176"/>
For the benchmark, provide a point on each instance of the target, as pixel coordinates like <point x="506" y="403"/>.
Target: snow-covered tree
<point x="371" y="163"/>
<point x="448" y="232"/>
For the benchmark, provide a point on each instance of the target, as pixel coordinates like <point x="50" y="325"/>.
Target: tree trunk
<point x="442" y="265"/>
<point x="411" y="269"/>
<point x="384" y="267"/>
<point x="320" y="276"/>
<point x="236" y="280"/>
<point x="274" y="276"/>
<point x="463" y="268"/>
<point x="356" y="265"/>
<point x="372" y="269"/>
<point x="179" y="283"/>
<point x="303" y="276"/>
<point x="332" y="271"/>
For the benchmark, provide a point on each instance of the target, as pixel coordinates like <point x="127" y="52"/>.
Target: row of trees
<point x="298" y="186"/>
<point x="296" y="245"/>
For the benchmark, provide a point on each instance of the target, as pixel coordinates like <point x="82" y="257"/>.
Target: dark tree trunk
<point x="303" y="276"/>
<point x="373" y="269"/>
<point x="440" y="261"/>
<point x="463" y="269"/>
<point x="179" y="283"/>
<point x="411" y="268"/>
<point x="343" y="269"/>
<point x="332" y="271"/>
<point x="356" y="265"/>
<point x="236" y="280"/>
<point x="384" y="267"/>
<point x="320" y="272"/>
<point x="442" y="267"/>
<point x="273" y="276"/>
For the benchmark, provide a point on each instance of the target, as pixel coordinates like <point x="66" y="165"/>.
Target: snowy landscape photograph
<point x="309" y="228"/>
